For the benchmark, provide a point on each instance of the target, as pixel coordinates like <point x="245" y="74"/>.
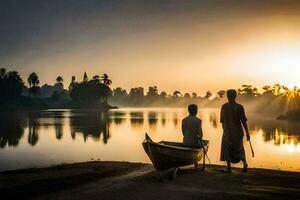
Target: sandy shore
<point x="123" y="180"/>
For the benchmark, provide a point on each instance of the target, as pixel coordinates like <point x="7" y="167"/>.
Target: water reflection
<point x="280" y="132"/>
<point x="136" y="118"/>
<point x="118" y="117"/>
<point x="41" y="127"/>
<point x="214" y="120"/>
<point x="276" y="131"/>
<point x="96" y="125"/>
<point x="163" y="119"/>
<point x="33" y="126"/>
<point x="11" y="129"/>
<point x="175" y="119"/>
<point x="90" y="124"/>
<point x="152" y="118"/>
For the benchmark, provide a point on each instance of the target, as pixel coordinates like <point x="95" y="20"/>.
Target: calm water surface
<point x="43" y="138"/>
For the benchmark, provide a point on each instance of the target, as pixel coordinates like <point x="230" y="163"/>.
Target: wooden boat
<point x="167" y="155"/>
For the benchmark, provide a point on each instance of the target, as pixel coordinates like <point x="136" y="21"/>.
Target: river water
<point x="43" y="138"/>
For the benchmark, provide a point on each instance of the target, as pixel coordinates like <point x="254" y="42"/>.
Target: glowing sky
<point x="174" y="44"/>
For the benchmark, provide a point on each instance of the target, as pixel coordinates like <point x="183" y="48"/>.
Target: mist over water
<point x="43" y="138"/>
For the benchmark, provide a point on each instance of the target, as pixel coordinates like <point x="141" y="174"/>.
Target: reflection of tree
<point x="118" y="117"/>
<point x="11" y="129"/>
<point x="136" y="118"/>
<point x="163" y="119"/>
<point x="33" y="136"/>
<point x="285" y="138"/>
<point x="281" y="132"/>
<point x="90" y="124"/>
<point x="213" y="120"/>
<point x="175" y="119"/>
<point x="46" y="119"/>
<point x="58" y="131"/>
<point x="73" y="133"/>
<point x="152" y="118"/>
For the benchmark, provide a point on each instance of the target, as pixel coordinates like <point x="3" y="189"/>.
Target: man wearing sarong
<point x="191" y="128"/>
<point x="233" y="118"/>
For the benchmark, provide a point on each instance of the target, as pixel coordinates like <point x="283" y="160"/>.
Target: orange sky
<point x="176" y="46"/>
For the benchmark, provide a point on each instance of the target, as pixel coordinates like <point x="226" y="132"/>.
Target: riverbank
<point x="123" y="180"/>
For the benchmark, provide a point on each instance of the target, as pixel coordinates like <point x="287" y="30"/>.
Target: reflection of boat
<point x="167" y="155"/>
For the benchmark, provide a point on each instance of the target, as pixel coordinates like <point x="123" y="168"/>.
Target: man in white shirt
<point x="191" y="128"/>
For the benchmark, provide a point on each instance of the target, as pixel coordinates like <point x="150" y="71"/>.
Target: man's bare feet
<point x="227" y="170"/>
<point x="245" y="168"/>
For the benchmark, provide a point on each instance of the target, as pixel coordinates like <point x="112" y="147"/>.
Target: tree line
<point x="96" y="92"/>
<point x="88" y="93"/>
<point x="276" y="99"/>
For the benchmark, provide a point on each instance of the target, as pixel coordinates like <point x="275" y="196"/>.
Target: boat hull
<point x="167" y="155"/>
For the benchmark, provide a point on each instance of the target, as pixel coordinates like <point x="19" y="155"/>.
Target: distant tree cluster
<point x="88" y="93"/>
<point x="11" y="86"/>
<point x="97" y="93"/>
<point x="138" y="96"/>
<point x="272" y="99"/>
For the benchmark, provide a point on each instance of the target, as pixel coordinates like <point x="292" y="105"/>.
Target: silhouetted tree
<point x="33" y="81"/>
<point x="96" y="77"/>
<point x="208" y="95"/>
<point x="221" y="94"/>
<point x="11" y="86"/>
<point x="119" y="92"/>
<point x="90" y="93"/>
<point x="152" y="91"/>
<point x="106" y="80"/>
<point x="163" y="94"/>
<point x="176" y="94"/>
<point x="187" y="95"/>
<point x="248" y="90"/>
<point x="58" y="86"/>
<point x="285" y="89"/>
<point x="2" y="72"/>
<point x="136" y="95"/>
<point x="59" y="79"/>
<point x="267" y="89"/>
<point x="276" y="89"/>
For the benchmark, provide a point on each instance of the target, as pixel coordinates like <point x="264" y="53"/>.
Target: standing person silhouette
<point x="233" y="118"/>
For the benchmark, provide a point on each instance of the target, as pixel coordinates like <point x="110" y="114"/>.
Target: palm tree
<point x="267" y="89"/>
<point x="208" y="94"/>
<point x="33" y="81"/>
<point x="276" y="89"/>
<point x="176" y="94"/>
<point x="163" y="94"/>
<point x="59" y="79"/>
<point x="187" y="95"/>
<point x="194" y="95"/>
<point x="221" y="93"/>
<point x="106" y="80"/>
